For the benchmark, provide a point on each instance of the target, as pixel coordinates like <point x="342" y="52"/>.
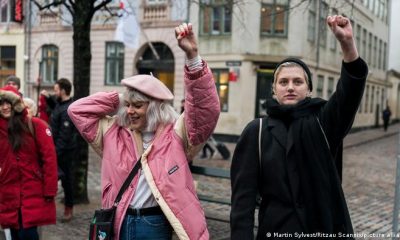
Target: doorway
<point x="162" y="68"/>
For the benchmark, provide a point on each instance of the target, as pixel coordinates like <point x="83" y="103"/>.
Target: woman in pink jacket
<point x="161" y="197"/>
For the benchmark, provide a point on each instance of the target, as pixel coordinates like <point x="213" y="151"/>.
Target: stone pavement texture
<point x="368" y="182"/>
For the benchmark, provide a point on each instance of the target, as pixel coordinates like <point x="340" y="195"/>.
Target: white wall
<point x="394" y="46"/>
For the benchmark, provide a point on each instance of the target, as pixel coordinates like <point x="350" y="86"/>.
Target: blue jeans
<point x="154" y="227"/>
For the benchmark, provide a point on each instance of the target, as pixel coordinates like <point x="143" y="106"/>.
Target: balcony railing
<point x="156" y="13"/>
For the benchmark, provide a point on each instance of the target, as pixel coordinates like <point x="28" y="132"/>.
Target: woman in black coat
<point x="299" y="174"/>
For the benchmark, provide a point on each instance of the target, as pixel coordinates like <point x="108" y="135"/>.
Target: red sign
<point x="18" y="11"/>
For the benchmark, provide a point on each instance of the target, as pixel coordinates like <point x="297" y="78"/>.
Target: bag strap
<point x="128" y="180"/>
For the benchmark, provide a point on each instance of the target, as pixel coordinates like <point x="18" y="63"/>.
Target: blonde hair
<point x="158" y="111"/>
<point x="31" y="105"/>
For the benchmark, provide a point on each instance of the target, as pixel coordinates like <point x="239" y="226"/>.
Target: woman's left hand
<point x="341" y="28"/>
<point x="187" y="40"/>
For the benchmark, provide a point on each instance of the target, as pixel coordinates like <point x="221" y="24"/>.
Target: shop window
<point x="221" y="78"/>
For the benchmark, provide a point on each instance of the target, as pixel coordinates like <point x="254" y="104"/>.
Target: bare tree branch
<point x="49" y="5"/>
<point x="102" y="4"/>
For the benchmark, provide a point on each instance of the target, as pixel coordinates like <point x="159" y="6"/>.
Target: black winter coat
<point x="282" y="210"/>
<point x="64" y="131"/>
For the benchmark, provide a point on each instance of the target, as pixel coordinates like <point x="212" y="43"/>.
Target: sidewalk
<point x="78" y="228"/>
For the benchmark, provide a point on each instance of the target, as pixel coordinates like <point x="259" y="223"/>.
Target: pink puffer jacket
<point x="164" y="163"/>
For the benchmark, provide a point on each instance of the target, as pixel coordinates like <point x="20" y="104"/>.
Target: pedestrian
<point x="31" y="107"/>
<point x="65" y="138"/>
<point x="295" y="162"/>
<point x="207" y="147"/>
<point x="28" y="183"/>
<point x="14" y="82"/>
<point x="162" y="196"/>
<point x="386" y="117"/>
<point x="44" y="110"/>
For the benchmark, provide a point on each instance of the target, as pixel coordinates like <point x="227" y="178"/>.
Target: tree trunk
<point x="82" y="61"/>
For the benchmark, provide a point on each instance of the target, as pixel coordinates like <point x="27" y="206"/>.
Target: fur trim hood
<point x="11" y="95"/>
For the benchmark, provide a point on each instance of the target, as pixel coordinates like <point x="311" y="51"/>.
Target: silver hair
<point x="158" y="111"/>
<point x="289" y="64"/>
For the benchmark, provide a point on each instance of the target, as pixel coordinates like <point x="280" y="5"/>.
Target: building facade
<point x="244" y="42"/>
<point x="12" y="41"/>
<point x="157" y="51"/>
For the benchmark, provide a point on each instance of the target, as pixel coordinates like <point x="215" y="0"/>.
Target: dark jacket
<point x="64" y="131"/>
<point x="282" y="208"/>
<point x="25" y="180"/>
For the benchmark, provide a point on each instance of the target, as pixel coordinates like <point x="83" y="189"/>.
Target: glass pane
<point x="224" y="77"/>
<point x="227" y="20"/>
<point x="110" y="50"/>
<point x="266" y="24"/>
<point x="206" y="19"/>
<point x="280" y="20"/>
<point x="120" y="50"/>
<point x="216" y="28"/>
<point x="223" y="97"/>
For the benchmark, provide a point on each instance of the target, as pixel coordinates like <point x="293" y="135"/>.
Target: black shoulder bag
<point x="102" y="224"/>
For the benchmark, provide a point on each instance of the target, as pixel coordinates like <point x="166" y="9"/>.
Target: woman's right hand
<point x="186" y="40"/>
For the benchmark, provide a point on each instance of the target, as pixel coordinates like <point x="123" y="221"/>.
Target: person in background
<point x="44" y="110"/>
<point x="65" y="138"/>
<point x="147" y="128"/>
<point x="31" y="106"/>
<point x="386" y="117"/>
<point x="14" y="82"/>
<point x="294" y="161"/>
<point x="28" y="183"/>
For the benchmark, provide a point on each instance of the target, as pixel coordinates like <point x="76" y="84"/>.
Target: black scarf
<point x="307" y="150"/>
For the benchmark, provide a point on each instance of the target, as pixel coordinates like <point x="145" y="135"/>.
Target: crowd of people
<point x="291" y="159"/>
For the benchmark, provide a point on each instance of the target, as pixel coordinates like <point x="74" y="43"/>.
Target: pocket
<point x="155" y="220"/>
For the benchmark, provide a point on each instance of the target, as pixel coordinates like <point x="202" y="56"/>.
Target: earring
<point x="309" y="94"/>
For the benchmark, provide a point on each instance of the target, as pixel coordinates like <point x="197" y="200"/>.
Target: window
<point x="358" y="36"/>
<point x="7" y="62"/>
<point x="114" y="70"/>
<point x="366" y="99"/>
<point x="384" y="56"/>
<point x="364" y="44"/>
<point x="312" y="19"/>
<point x="331" y="83"/>
<point x="369" y="59"/>
<point x="274" y="18"/>
<point x="215" y="17"/>
<point x="7" y="10"/>
<point x="320" y="86"/>
<point x="322" y="24"/>
<point x="221" y="77"/>
<point x="372" y="99"/>
<point x="374" y="63"/>
<point x="333" y="40"/>
<point x="380" y="54"/>
<point x="49" y="64"/>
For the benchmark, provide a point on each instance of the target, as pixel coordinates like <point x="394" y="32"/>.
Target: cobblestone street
<point x="368" y="181"/>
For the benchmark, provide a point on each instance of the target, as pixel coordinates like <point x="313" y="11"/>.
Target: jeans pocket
<point x="155" y="220"/>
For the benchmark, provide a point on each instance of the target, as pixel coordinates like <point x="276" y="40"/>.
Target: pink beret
<point x="148" y="85"/>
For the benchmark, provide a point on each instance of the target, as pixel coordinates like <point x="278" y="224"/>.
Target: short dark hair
<point x="65" y="84"/>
